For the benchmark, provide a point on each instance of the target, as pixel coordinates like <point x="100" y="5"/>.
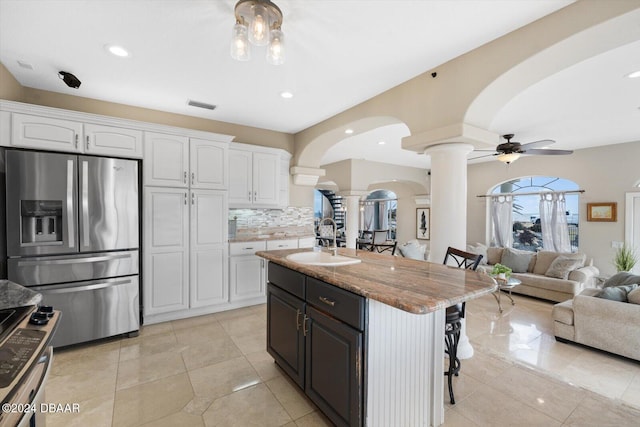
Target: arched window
<point x="527" y="233"/>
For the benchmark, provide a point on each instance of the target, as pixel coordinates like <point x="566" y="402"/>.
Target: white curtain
<point x="367" y="223"/>
<point x="553" y="221"/>
<point x="383" y="220"/>
<point x="502" y="220"/>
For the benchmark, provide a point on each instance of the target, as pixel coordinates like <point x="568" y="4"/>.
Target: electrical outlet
<point x="616" y="245"/>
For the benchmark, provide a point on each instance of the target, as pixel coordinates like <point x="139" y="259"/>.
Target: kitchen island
<point x="366" y="341"/>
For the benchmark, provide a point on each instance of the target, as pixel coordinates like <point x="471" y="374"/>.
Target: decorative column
<point x="352" y="198"/>
<point x="449" y="209"/>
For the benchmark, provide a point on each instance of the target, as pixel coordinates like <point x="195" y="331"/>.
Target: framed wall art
<point x="603" y="212"/>
<point x="423" y="223"/>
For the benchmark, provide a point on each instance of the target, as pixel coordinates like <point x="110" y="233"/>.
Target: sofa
<point x="548" y="275"/>
<point x="600" y="321"/>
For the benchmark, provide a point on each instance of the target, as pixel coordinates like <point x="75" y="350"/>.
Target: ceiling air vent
<point x="201" y="105"/>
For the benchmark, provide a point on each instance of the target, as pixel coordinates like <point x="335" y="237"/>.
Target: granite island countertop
<point x="15" y="295"/>
<point x="414" y="286"/>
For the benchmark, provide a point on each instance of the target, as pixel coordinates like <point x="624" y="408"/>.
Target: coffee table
<point x="505" y="285"/>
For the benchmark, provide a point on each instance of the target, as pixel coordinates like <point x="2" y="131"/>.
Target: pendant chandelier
<point x="258" y="22"/>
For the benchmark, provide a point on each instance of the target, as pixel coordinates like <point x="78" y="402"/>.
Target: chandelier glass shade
<point x="258" y="22"/>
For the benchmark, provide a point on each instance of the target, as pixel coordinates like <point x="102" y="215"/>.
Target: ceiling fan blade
<point x="487" y="150"/>
<point x="486" y="155"/>
<point x="540" y="151"/>
<point x="535" y="144"/>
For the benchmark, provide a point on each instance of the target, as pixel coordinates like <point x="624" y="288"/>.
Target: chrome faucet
<point x="334" y="248"/>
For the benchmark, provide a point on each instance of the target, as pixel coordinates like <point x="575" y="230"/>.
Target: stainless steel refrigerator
<point x="73" y="235"/>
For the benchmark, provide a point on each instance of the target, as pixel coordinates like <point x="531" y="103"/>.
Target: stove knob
<point x="39" y="318"/>
<point x="46" y="309"/>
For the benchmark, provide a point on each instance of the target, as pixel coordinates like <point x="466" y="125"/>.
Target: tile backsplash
<point x="294" y="221"/>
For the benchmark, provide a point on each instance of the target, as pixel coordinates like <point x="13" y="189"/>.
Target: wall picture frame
<point x="602" y="212"/>
<point x="423" y="223"/>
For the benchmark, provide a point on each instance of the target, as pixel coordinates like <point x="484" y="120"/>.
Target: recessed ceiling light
<point x="117" y="50"/>
<point x="286" y="94"/>
<point x="348" y="131"/>
<point x="381" y="142"/>
<point x="634" y="75"/>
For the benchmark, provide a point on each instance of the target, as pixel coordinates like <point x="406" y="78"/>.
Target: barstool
<point x="454" y="316"/>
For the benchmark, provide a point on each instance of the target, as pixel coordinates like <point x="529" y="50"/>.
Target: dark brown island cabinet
<point x="316" y="334"/>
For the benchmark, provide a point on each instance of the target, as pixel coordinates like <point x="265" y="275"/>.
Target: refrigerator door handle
<point x="39" y="261"/>
<point x="68" y="288"/>
<point x="70" y="208"/>
<point x="85" y="203"/>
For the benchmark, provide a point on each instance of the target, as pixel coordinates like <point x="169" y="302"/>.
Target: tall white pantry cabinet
<point x="185" y="230"/>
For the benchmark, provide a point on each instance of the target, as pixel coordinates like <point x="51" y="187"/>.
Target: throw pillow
<point x="634" y="296"/>
<point x="622" y="278"/>
<point x="545" y="258"/>
<point x="543" y="262"/>
<point x="562" y="266"/>
<point x="412" y="250"/>
<point x="517" y="261"/>
<point x="494" y="254"/>
<point x="617" y="293"/>
<point x="478" y="249"/>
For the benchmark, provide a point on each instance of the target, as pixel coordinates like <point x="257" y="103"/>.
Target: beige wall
<point x="9" y="87"/>
<point x="605" y="173"/>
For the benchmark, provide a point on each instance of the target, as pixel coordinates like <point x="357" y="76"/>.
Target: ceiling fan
<point x="510" y="151"/>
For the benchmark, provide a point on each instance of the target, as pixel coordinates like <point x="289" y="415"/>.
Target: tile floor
<point x="214" y="371"/>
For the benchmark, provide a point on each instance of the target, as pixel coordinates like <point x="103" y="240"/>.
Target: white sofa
<point x="537" y="278"/>
<point x="606" y="324"/>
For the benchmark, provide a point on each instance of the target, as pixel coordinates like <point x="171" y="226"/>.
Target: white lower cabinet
<point x="247" y="277"/>
<point x="185" y="261"/>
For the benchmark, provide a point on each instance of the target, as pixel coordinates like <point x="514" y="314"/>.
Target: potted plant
<point x="501" y="271"/>
<point x="625" y="258"/>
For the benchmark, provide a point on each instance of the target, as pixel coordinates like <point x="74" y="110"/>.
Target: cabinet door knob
<point x="76" y="140"/>
<point x="193" y="177"/>
<point x="185" y="177"/>
<point x="249" y="195"/>
<point x="185" y="198"/>
<point x="298" y="313"/>
<point x="87" y="142"/>
<point x="304" y="325"/>
<point x="327" y="301"/>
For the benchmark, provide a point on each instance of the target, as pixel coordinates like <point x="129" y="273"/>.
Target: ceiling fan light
<point x="508" y="157"/>
<point x="240" y="49"/>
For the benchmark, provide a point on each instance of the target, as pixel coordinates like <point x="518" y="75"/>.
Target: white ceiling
<point x="339" y="53"/>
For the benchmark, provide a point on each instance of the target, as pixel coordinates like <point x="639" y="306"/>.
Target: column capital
<point x="455" y="133"/>
<point x="307" y="176"/>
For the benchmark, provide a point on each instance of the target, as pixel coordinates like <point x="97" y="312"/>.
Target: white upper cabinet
<point x="166" y="160"/>
<point x="254" y="178"/>
<point x="112" y="141"/>
<point x="46" y="133"/>
<point x="208" y="164"/>
<point x="177" y="161"/>
<point x="240" y="177"/>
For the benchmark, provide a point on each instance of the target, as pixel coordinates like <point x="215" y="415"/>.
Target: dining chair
<point x="455" y="314"/>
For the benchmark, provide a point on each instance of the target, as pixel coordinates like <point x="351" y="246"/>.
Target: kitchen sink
<point x="322" y="259"/>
